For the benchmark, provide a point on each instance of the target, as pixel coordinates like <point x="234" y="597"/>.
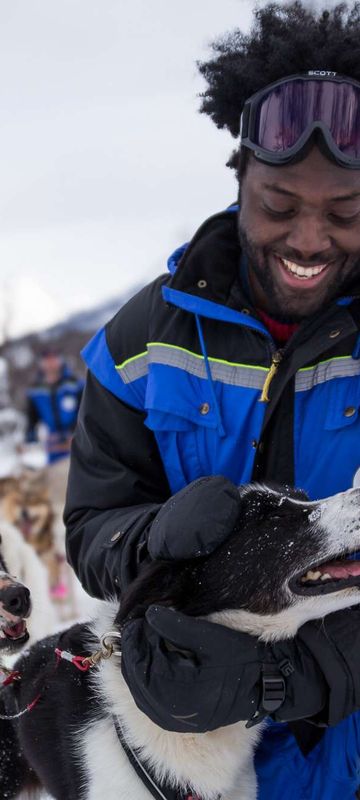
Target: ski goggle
<point x="278" y="121"/>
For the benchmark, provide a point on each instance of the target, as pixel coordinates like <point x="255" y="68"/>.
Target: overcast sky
<point x="106" y="164"/>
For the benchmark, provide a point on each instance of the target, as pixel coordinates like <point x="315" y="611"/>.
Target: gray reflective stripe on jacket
<point x="340" y="367"/>
<point x="252" y="377"/>
<point x="170" y="355"/>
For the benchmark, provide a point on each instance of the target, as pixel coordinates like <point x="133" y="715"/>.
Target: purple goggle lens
<point x="283" y="116"/>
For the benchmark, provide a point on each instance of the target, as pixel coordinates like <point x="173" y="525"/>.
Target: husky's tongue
<point x="15" y="631"/>
<point x="340" y="569"/>
<point x="26" y="527"/>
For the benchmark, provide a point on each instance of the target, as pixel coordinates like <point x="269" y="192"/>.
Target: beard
<point x="283" y="308"/>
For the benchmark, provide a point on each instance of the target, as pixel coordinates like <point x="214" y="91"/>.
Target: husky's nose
<point x="16" y="600"/>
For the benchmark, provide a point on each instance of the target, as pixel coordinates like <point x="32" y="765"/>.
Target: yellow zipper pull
<point x="272" y="372"/>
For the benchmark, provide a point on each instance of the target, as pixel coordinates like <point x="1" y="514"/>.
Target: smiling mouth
<point x="16" y="632"/>
<point x="301" y="272"/>
<point x="329" y="576"/>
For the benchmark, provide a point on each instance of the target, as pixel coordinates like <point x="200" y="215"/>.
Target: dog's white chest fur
<point x="111" y="775"/>
<point x="109" y="770"/>
<point x="212" y="764"/>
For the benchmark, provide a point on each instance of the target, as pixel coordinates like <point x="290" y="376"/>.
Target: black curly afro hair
<point x="284" y="39"/>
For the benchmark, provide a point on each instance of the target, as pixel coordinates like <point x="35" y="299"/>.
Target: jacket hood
<point x="209" y="265"/>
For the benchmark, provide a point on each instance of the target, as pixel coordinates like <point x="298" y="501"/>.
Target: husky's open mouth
<point x="329" y="576"/>
<point x="15" y="632"/>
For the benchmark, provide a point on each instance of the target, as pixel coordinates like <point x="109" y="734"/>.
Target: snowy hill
<point x="67" y="337"/>
<point x="90" y="320"/>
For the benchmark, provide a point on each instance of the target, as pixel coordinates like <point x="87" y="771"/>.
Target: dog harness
<point x="160" y="791"/>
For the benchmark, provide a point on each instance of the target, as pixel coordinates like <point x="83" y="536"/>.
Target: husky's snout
<point x="334" y="564"/>
<point x="15" y="600"/>
<point x="15" y="607"/>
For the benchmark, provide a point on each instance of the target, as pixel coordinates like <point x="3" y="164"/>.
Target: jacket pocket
<point x="342" y="408"/>
<point x="327" y="436"/>
<point x="180" y="414"/>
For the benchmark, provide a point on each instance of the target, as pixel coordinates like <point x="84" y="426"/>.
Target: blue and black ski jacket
<point x="55" y="406"/>
<point x="186" y="381"/>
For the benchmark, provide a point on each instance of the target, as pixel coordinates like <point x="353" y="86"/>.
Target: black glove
<point x="188" y="674"/>
<point x="195" y="520"/>
<point x="334" y="643"/>
<point x="192" y="523"/>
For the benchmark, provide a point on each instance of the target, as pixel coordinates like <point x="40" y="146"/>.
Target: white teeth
<point x="303" y="272"/>
<point x="315" y="575"/>
<point x="311" y="576"/>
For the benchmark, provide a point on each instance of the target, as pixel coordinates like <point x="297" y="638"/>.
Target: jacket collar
<point x="208" y="267"/>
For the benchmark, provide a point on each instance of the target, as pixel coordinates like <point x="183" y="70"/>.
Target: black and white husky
<point x="286" y="563"/>
<point x="22" y="560"/>
<point x="15" y="607"/>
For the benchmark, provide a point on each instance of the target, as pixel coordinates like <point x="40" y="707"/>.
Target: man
<point x="244" y="363"/>
<point x="53" y="402"/>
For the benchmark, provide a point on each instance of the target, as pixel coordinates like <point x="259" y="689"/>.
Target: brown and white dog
<point x="27" y="506"/>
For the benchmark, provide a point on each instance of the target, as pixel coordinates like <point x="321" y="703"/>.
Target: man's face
<point x="300" y="227"/>
<point x="50" y="366"/>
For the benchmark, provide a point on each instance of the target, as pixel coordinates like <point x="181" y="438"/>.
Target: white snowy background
<point x="105" y="163"/>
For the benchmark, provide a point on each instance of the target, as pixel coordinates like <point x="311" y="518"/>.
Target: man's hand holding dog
<point x="188" y="674"/>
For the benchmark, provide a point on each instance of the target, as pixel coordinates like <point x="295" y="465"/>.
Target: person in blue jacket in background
<point x="53" y="402"/>
<point x="244" y="363"/>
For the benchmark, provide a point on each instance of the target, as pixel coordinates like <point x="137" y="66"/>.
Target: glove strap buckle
<point x="273" y="692"/>
<point x="272" y="697"/>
